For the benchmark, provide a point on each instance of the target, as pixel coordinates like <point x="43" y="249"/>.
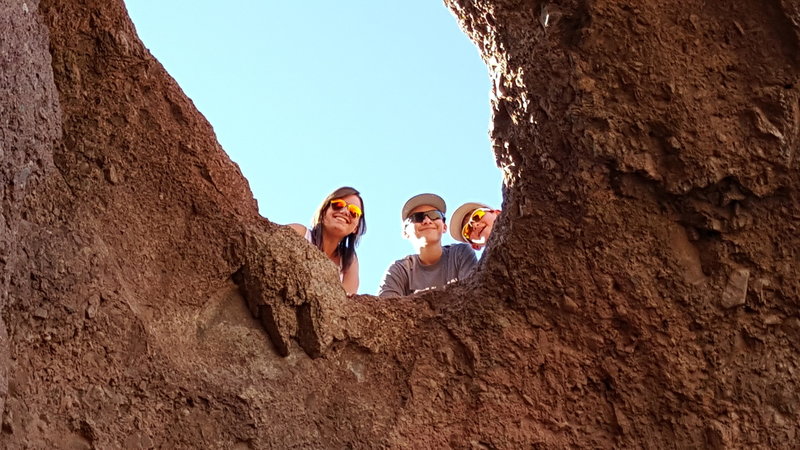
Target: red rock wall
<point x="640" y="291"/>
<point x="651" y="153"/>
<point x="29" y="128"/>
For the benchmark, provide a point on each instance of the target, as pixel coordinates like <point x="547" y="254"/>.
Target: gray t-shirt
<point x="408" y="275"/>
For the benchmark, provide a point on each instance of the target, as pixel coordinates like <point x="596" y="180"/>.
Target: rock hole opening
<point x="341" y="95"/>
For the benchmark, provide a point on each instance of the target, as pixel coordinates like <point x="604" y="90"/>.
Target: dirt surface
<point x="640" y="290"/>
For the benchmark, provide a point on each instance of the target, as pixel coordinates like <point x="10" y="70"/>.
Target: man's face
<point x="480" y="229"/>
<point x="427" y="232"/>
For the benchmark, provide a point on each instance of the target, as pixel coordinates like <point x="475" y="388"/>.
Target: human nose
<point x="427" y="219"/>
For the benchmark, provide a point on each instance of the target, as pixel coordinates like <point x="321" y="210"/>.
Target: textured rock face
<point x="640" y="291"/>
<point x="29" y="129"/>
<point x="650" y="150"/>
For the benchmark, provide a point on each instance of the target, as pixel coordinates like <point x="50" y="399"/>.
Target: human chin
<point x="429" y="235"/>
<point x="339" y="225"/>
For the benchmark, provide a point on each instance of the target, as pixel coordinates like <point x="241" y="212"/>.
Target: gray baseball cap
<point x="423" y="199"/>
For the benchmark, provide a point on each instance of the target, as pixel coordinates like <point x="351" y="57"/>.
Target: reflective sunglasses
<point x="419" y="217"/>
<point x="338" y="204"/>
<point x="476" y="217"/>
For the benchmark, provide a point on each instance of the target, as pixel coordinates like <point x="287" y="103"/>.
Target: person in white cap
<point x="472" y="223"/>
<point x="434" y="265"/>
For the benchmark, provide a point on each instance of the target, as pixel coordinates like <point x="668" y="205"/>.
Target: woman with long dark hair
<point x="336" y="228"/>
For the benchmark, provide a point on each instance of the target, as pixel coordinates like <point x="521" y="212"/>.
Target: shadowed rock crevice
<point x="640" y="289"/>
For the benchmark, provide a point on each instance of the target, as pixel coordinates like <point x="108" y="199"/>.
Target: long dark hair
<point x="347" y="246"/>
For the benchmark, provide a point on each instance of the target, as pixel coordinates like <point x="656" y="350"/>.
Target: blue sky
<point x="389" y="97"/>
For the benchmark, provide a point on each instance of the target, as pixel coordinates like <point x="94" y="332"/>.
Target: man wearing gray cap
<point x="434" y="265"/>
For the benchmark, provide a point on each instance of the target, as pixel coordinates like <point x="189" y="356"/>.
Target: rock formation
<point x="640" y="291"/>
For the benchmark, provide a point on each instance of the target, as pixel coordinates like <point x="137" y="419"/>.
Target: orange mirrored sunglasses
<point x="476" y="217"/>
<point x="355" y="211"/>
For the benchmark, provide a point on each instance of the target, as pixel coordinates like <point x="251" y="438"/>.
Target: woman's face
<point x="341" y="222"/>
